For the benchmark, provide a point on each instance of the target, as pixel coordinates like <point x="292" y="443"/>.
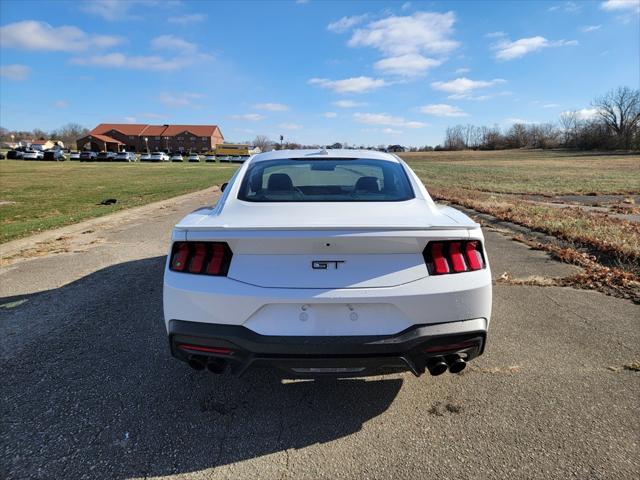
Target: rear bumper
<point x="410" y="349"/>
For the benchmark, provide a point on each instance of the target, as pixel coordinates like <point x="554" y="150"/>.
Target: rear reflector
<point x="450" y="347"/>
<point x="201" y="348"/>
<point x="455" y="256"/>
<point x="206" y="258"/>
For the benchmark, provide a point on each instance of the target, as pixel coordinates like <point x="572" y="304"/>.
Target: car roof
<point x="324" y="154"/>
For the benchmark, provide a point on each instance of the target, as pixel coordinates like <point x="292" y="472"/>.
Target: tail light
<point x="206" y="258"/>
<point x="453" y="256"/>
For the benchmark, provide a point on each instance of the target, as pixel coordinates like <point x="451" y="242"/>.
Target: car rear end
<point x="344" y="295"/>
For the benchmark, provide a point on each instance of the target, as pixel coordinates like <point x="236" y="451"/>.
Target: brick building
<point x="133" y="137"/>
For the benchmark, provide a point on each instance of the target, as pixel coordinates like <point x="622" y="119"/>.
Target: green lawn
<point x="52" y="194"/>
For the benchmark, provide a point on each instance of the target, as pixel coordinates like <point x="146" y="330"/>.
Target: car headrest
<point x="280" y="182"/>
<point x="367" y="184"/>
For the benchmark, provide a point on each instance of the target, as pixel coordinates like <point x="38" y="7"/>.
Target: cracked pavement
<point x="88" y="388"/>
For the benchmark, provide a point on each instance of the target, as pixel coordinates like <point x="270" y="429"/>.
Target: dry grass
<point x="528" y="172"/>
<point x="614" y="237"/>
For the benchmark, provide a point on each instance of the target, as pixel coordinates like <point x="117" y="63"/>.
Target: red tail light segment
<point x="207" y="258"/>
<point x="453" y="257"/>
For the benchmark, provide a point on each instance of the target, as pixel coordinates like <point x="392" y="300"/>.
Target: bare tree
<point x="569" y="123"/>
<point x="263" y="143"/>
<point x="619" y="109"/>
<point x="71" y="132"/>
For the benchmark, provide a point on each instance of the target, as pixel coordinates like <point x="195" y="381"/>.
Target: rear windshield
<point x="320" y="180"/>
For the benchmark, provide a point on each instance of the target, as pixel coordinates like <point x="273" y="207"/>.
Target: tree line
<point x="68" y="134"/>
<point x="614" y="124"/>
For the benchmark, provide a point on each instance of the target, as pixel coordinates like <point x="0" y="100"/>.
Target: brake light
<point x="202" y="348"/>
<point x="453" y="257"/>
<point x="206" y="258"/>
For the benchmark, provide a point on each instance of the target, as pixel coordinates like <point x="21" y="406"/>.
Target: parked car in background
<point x="210" y="157"/>
<point x="194" y="157"/>
<point x="275" y="274"/>
<point x="106" y="156"/>
<point x="15" y="155"/>
<point x="88" y="156"/>
<point x="145" y="157"/>
<point x="159" y="157"/>
<point x="2" y="157"/>
<point x="125" y="157"/>
<point x="177" y="157"/>
<point x="54" y="155"/>
<point x="74" y="155"/>
<point x="33" y="155"/>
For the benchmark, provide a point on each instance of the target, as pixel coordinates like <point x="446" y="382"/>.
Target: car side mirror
<point x="224" y="186"/>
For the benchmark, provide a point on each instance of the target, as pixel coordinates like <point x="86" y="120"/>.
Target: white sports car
<point x="327" y="262"/>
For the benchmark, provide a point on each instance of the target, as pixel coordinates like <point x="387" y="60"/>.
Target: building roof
<point x="153" y="130"/>
<point x="39" y="142"/>
<point x="139" y="129"/>
<point x="105" y="138"/>
<point x="197" y="130"/>
<point x="124" y="128"/>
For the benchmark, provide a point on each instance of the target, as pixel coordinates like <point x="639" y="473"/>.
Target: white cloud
<point x="188" y="18"/>
<point x="251" y="117"/>
<point x="463" y="86"/>
<point x="15" y="71"/>
<point x="620" y="5"/>
<point x="34" y="35"/>
<point x="185" y="54"/>
<point x="120" y="60"/>
<point x="591" y="28"/>
<point x="442" y="110"/>
<point x="392" y="131"/>
<point x="508" y="50"/>
<point x="348" y="104"/>
<point x="584" y="113"/>
<point x="109" y="9"/>
<point x="290" y="126"/>
<point x="512" y="120"/>
<point x="156" y="116"/>
<point x="409" y="65"/>
<point x="173" y="43"/>
<point x="177" y="100"/>
<point x="495" y="34"/>
<point x="130" y="119"/>
<point x="272" y="107"/>
<point x="113" y="10"/>
<point x="421" y="32"/>
<point x="550" y="105"/>
<point x="386" y="120"/>
<point x="349" y="85"/>
<point x="346" y="23"/>
<point x="570" y="7"/>
<point x="330" y="114"/>
<point x="463" y="70"/>
<point x="61" y="104"/>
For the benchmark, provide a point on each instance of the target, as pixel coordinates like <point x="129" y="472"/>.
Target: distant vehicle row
<point x="29" y="154"/>
<point x="91" y="156"/>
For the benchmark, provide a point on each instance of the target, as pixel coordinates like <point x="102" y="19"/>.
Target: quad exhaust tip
<point x="437" y="366"/>
<point x="197" y="362"/>
<point x="456" y="364"/>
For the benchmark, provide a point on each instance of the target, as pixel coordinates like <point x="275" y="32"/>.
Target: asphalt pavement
<point x="88" y="388"/>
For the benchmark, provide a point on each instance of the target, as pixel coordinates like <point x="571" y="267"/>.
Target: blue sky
<point x="314" y="71"/>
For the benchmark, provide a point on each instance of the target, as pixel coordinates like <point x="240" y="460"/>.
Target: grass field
<point x="528" y="171"/>
<point x="502" y="183"/>
<point x="36" y="196"/>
